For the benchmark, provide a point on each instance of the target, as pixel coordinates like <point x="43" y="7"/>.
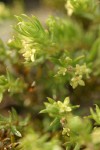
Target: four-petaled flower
<point x="77" y="80"/>
<point x="64" y="107"/>
<point x="82" y="70"/>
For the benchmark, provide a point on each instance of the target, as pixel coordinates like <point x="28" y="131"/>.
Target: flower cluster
<point x="28" y="52"/>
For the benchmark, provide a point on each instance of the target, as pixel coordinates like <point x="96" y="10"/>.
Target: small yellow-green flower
<point x="65" y="131"/>
<point x="82" y="70"/>
<point x="77" y="80"/>
<point x="64" y="107"/>
<point x="62" y="71"/>
<point x="28" y="52"/>
<point x="69" y="8"/>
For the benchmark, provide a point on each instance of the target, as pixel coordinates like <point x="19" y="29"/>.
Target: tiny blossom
<point x="64" y="107"/>
<point x="81" y="70"/>
<point x="77" y="80"/>
<point x="62" y="71"/>
<point x="69" y="8"/>
<point x="66" y="131"/>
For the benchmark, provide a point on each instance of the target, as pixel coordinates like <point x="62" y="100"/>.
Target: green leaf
<point x="43" y="111"/>
<point x="14" y="115"/>
<point x="94" y="51"/>
<point x="51" y="101"/>
<point x="54" y="122"/>
<point x="77" y="147"/>
<point x="15" y="131"/>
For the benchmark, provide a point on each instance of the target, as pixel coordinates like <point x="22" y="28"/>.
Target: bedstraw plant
<point x="59" y="60"/>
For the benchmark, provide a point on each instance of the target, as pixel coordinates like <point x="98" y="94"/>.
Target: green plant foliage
<point x="87" y="8"/>
<point x="96" y="115"/>
<point x="34" y="141"/>
<point x="10" y="123"/>
<point x="59" y="59"/>
<point x="78" y="132"/>
<point x="11" y="127"/>
<point x="49" y="43"/>
<point x="9" y="83"/>
<point x="60" y="33"/>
